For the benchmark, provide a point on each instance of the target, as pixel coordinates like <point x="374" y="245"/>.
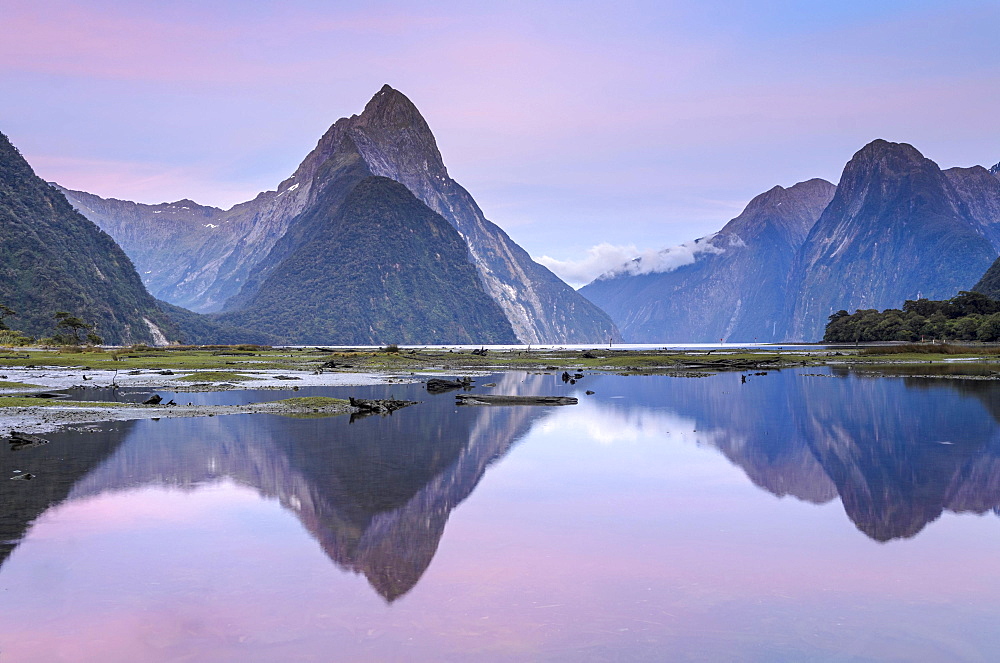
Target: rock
<point x="286" y="377"/>
<point x="153" y="400"/>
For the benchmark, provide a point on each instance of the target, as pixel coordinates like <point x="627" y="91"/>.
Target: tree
<point x="970" y="303"/>
<point x="924" y="307"/>
<point x="72" y="327"/>
<point x="5" y="311"/>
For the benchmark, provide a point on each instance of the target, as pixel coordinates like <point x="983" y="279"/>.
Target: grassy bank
<point x="232" y="364"/>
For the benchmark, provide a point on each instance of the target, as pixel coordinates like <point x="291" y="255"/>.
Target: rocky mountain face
<point x="196" y="256"/>
<point x="736" y="286"/>
<point x="378" y="267"/>
<point x="232" y="252"/>
<point x="53" y="259"/>
<point x="896" y="228"/>
<point x="155" y="236"/>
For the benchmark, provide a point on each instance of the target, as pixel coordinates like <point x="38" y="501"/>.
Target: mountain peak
<point x="393" y="108"/>
<point x="889" y="154"/>
<point x="996" y="170"/>
<point x="792" y="210"/>
<point x="883" y="162"/>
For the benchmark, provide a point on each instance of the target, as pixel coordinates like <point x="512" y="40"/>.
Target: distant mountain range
<point x="208" y="259"/>
<point x="371" y="242"/>
<point x="896" y="228"/>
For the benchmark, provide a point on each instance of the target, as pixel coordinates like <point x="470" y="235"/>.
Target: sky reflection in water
<point x="792" y="517"/>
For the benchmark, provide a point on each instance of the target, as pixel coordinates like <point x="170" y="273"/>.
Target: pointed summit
<point x="393" y="105"/>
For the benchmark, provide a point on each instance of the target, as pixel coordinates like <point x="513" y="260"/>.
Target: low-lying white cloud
<point x="599" y="259"/>
<point x="611" y="260"/>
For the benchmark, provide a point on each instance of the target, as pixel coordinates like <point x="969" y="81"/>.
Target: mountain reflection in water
<point x="375" y="493"/>
<point x="897" y="451"/>
<point x="622" y="528"/>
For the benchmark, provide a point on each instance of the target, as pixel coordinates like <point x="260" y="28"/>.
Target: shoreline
<point x="32" y="371"/>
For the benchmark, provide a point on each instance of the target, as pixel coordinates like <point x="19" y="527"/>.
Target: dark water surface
<point x="794" y="517"/>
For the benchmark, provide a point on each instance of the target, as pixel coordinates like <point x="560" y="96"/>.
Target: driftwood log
<point x="379" y="405"/>
<point x="487" y="399"/>
<point x="20" y="441"/>
<point x="439" y="385"/>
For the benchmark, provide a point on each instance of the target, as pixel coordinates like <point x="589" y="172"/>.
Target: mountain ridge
<point x="734" y="288"/>
<point x="897" y="227"/>
<point x="393" y="140"/>
<point x="54" y="259"/>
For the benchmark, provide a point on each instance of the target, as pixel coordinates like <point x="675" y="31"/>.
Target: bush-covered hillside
<point x="53" y="259"/>
<point x="380" y="268"/>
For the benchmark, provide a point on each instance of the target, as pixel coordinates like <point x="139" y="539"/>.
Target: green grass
<point x="178" y="360"/>
<point x="313" y="402"/>
<point x="930" y="349"/>
<point x="18" y="385"/>
<point x="23" y="401"/>
<point x="222" y="360"/>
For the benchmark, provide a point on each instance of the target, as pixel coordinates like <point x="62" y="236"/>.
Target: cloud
<point x="599" y="259"/>
<point x="610" y="260"/>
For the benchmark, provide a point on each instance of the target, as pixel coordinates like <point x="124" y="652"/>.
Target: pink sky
<point x="657" y="119"/>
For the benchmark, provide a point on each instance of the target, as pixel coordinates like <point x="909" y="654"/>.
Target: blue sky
<point x="628" y="125"/>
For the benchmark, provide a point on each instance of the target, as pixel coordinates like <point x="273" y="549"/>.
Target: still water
<point x="798" y="516"/>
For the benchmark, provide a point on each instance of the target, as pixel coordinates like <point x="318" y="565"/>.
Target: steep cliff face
<point x="896" y="229"/>
<point x="979" y="191"/>
<point x="154" y="236"/>
<point x="192" y="255"/>
<point x="736" y="288"/>
<point x="380" y="267"/>
<point x="53" y="259"/>
<point x="390" y="139"/>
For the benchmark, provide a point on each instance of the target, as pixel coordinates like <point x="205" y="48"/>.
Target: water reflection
<point x="896" y="451"/>
<point x="375" y="494"/>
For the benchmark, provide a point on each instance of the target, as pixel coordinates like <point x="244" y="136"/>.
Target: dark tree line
<point x="69" y="330"/>
<point x="969" y="316"/>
